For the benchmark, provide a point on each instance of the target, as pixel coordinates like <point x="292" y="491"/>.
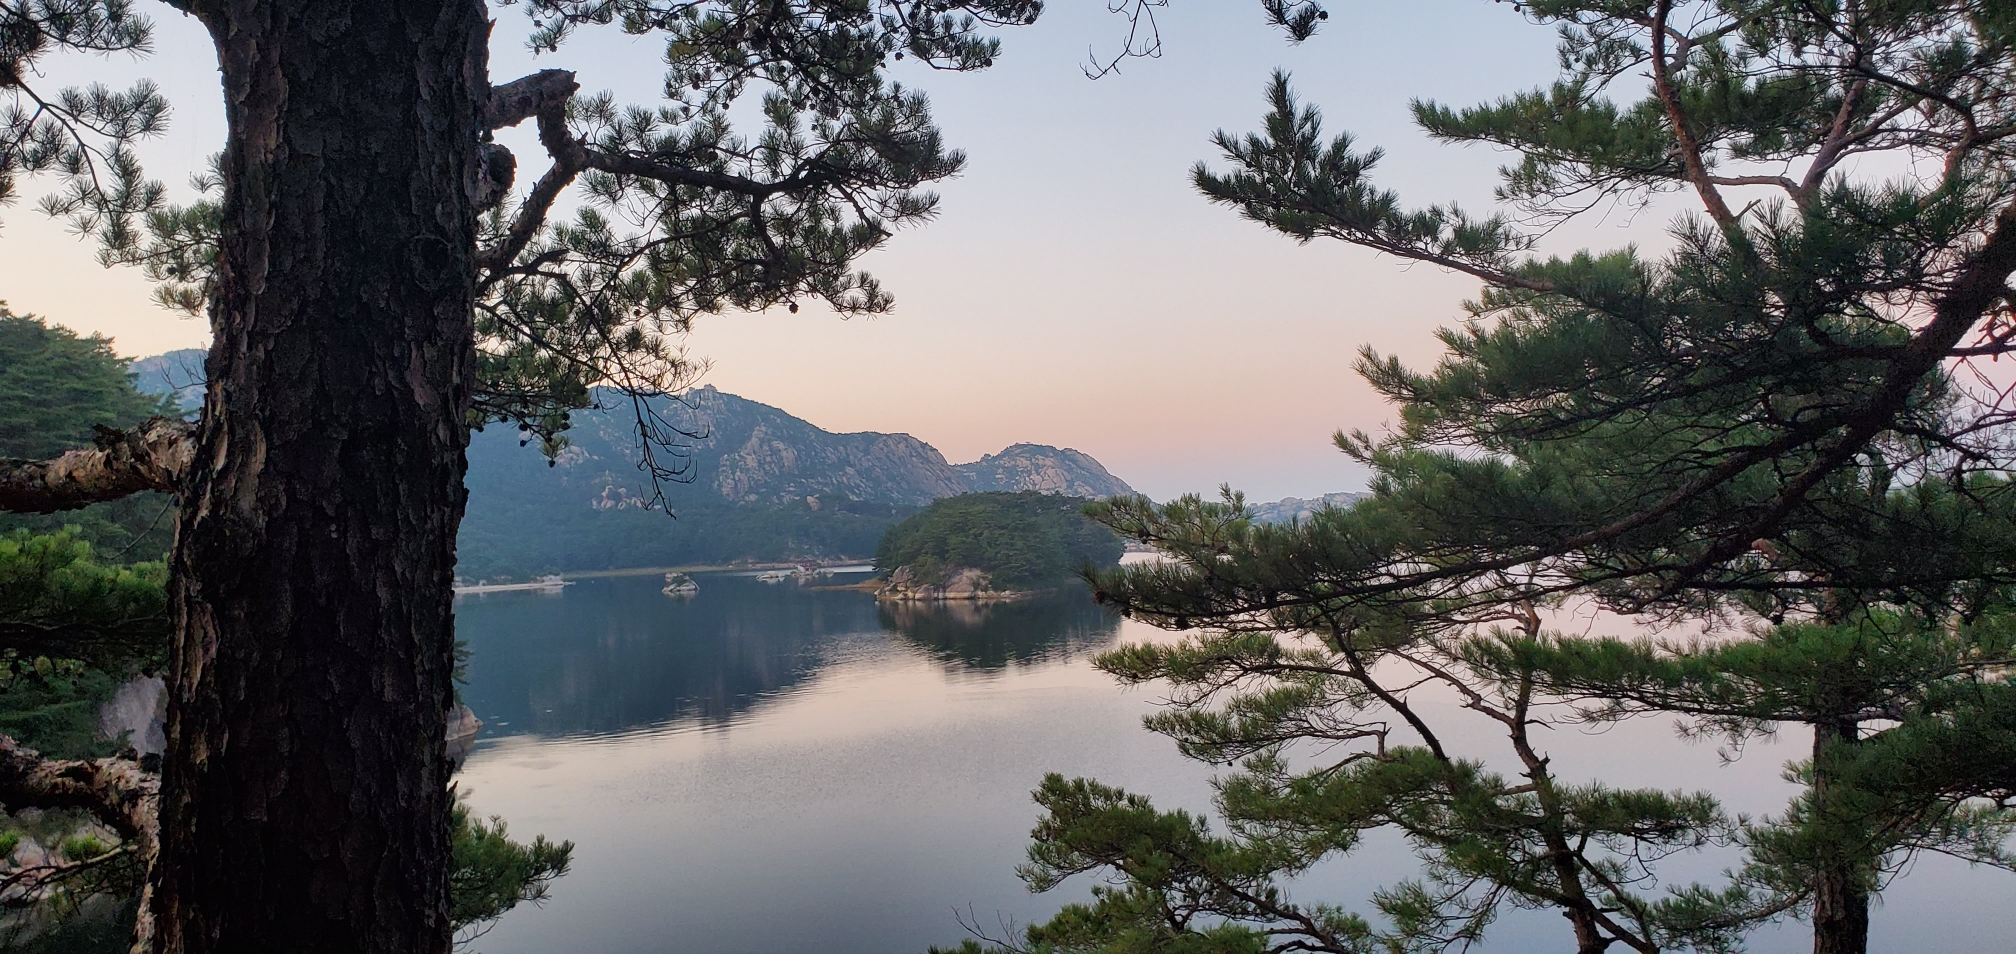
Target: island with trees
<point x="991" y="546"/>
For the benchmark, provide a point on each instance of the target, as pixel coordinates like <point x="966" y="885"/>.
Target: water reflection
<point x="990" y="636"/>
<point x="612" y="656"/>
<point x="871" y="786"/>
<point x="616" y="654"/>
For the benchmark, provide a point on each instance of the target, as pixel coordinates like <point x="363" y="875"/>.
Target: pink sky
<point x="1075" y="290"/>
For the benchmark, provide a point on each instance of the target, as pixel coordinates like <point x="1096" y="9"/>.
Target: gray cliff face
<point x="1049" y="470"/>
<point x="754" y="453"/>
<point x="751" y="453"/>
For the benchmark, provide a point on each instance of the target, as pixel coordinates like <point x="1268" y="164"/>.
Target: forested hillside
<point x="54" y="388"/>
<point x="1021" y="541"/>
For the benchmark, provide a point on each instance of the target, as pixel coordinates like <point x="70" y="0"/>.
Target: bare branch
<point x="153" y="456"/>
<point x="528" y="96"/>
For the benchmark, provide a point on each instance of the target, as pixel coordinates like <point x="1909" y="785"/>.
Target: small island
<point x="991" y="546"/>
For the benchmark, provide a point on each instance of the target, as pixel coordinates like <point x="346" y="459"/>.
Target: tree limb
<point x="1683" y="138"/>
<point x="115" y="791"/>
<point x="569" y="158"/>
<point x="528" y="96"/>
<point x="153" y="456"/>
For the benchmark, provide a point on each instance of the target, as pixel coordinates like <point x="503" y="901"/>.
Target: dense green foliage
<point x="1773" y="431"/>
<point x="1023" y="541"/>
<point x="56" y="388"/>
<point x="71" y="630"/>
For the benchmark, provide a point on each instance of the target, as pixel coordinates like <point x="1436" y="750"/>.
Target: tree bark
<point x="304" y="798"/>
<point x="1840" y="899"/>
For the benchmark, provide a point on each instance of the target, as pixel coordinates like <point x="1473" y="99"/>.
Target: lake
<point x="773" y="768"/>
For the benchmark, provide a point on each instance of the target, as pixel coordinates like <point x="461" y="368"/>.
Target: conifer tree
<point x="376" y="282"/>
<point x="1777" y="428"/>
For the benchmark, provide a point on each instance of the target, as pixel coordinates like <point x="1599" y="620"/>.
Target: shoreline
<point x="510" y="587"/>
<point x="704" y="568"/>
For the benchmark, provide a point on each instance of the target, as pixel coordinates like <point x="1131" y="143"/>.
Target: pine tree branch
<point x="1979" y="284"/>
<point x="115" y="791"/>
<point x="73" y="640"/>
<point x="1690" y="147"/>
<point x="153" y="456"/>
<point x="25" y="887"/>
<point x="569" y="159"/>
<point x="645" y="167"/>
<point x="528" y="96"/>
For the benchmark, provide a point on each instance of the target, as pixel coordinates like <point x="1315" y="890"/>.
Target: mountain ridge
<point x="760" y="453"/>
<point x="756" y="483"/>
<point x="748" y="452"/>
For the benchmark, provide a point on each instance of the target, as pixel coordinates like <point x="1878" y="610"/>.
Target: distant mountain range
<point x="757" y="483"/>
<point x="754" y="453"/>
<point x="1300" y="508"/>
<point x="745" y="452"/>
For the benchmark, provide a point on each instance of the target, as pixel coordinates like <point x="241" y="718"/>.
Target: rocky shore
<point x="962" y="583"/>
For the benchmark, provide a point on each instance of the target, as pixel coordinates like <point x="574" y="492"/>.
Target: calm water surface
<point x="768" y="768"/>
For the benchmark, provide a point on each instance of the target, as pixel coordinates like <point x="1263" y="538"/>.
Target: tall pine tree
<point x="376" y="284"/>
<point x="1778" y="428"/>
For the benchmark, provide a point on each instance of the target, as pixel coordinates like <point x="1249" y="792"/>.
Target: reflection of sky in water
<point x="766" y="768"/>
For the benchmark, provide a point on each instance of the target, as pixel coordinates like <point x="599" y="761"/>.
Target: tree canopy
<point x="1022" y="541"/>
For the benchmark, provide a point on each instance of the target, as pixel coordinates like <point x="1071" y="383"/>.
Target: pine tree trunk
<point x="304" y="799"/>
<point x="1840" y="903"/>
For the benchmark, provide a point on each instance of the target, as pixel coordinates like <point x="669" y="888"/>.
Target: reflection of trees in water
<point x="615" y="655"/>
<point x="990" y="636"/>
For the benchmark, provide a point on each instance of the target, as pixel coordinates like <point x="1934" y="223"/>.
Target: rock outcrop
<point x="960" y="583"/>
<point x="138" y="713"/>
<point x="1044" y="469"/>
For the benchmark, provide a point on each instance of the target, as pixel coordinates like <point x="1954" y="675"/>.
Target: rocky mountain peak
<point x="1044" y="469"/>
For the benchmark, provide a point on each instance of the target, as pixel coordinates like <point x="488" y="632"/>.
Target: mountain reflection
<point x="609" y="656"/>
<point x="990" y="636"/>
